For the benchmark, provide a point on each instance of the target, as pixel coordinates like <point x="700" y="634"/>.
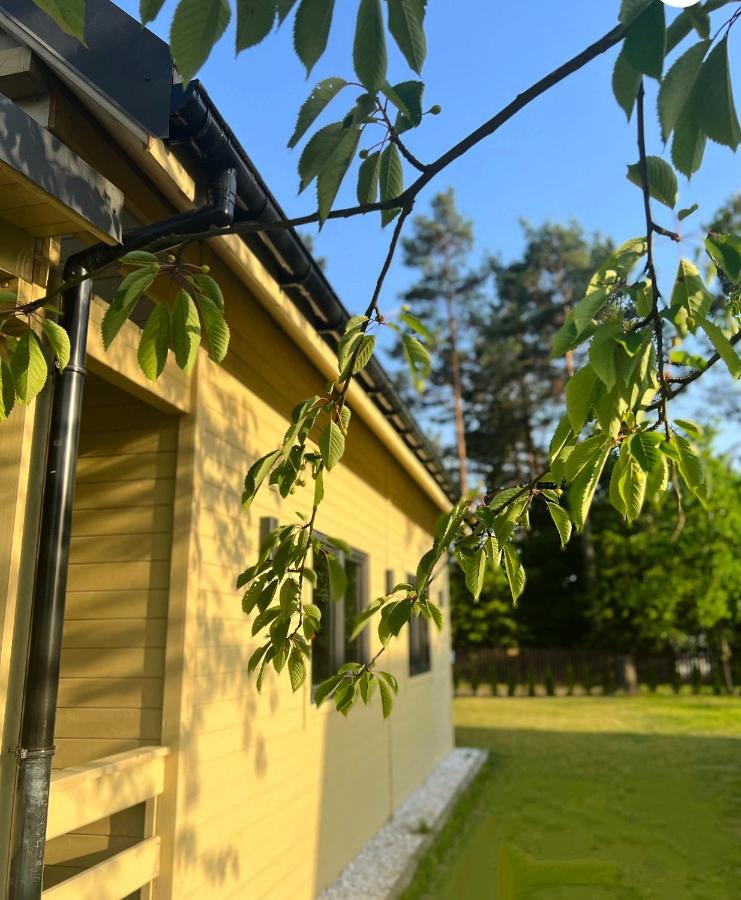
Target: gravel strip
<point x="387" y="863"/>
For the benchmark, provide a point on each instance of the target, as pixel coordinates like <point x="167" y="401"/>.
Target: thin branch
<point x="408" y="196"/>
<point x="654" y="316"/>
<point x="395" y="139"/>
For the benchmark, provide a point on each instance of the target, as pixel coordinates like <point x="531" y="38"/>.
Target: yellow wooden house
<point x="172" y="776"/>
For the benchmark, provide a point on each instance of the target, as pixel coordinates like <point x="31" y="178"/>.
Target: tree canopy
<point x="620" y="331"/>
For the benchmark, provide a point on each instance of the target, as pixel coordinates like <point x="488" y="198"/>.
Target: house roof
<point x="200" y="136"/>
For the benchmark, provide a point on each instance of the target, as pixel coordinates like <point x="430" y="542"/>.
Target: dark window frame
<point x="334" y="620"/>
<point x="419" y="647"/>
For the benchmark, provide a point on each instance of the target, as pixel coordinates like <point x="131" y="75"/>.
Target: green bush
<point x="550" y="683"/>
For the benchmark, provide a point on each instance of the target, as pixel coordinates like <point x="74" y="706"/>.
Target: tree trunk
<point x="460" y="427"/>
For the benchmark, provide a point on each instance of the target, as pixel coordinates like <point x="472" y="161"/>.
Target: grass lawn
<point x="651" y="784"/>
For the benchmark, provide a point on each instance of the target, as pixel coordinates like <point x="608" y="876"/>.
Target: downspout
<point x="36" y="751"/>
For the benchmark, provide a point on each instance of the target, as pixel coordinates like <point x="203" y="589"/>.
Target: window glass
<point x="419" y="642"/>
<point x="331" y="647"/>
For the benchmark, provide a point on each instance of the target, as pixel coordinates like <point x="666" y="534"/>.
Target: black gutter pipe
<point x="36" y="751"/>
<point x="197" y="129"/>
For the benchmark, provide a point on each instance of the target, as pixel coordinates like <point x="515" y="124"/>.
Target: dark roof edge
<point x="198" y="130"/>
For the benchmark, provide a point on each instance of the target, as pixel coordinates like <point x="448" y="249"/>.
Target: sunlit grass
<point x="651" y="784"/>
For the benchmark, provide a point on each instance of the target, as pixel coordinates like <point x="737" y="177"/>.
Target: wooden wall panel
<point x="116" y="623"/>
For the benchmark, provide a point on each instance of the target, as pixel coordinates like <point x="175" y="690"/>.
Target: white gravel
<point x="386" y="865"/>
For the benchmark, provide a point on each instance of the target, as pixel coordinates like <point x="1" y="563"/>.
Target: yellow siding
<point x="110" y="697"/>
<point x="270" y="805"/>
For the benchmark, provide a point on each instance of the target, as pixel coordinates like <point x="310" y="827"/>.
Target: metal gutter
<point x="199" y="133"/>
<point x="41" y="686"/>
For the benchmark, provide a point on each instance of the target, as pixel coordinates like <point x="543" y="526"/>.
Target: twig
<point x="407" y="197"/>
<point x="654" y="316"/>
<point x="395" y="139"/>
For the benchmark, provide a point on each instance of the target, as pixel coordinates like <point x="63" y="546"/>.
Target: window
<point x="331" y="646"/>
<point x="419" y="642"/>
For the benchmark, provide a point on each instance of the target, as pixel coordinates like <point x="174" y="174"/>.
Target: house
<point x="172" y="776"/>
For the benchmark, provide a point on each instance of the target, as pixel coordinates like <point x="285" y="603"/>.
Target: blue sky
<point x="564" y="157"/>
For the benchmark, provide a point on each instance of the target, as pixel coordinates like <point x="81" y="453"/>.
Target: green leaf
<point x="566" y="338"/>
<point x="129" y="291"/>
<point x="631" y="9"/>
<point x="418" y="360"/>
<point x="644" y="449"/>
<point x="319" y="150"/>
<point x="58" y="341"/>
<point x="407" y="98"/>
<point x="155" y="342"/>
<point x="337" y="578"/>
<point x="257" y="473"/>
<point x="186" y="331"/>
<point x="296" y="668"/>
<point x="723" y="347"/>
<point x="690" y="467"/>
<point x="417" y="325"/>
<point x="28" y="365"/>
<point x="256" y="658"/>
<point x="369" y="48"/>
<point x="255" y="20"/>
<point x="473" y="564"/>
<point x="583" y="454"/>
<point x="713" y="104"/>
<point x="645" y="42"/>
<point x="436" y="616"/>
<point x="690" y="427"/>
<point x="677" y="86"/>
<point x="689" y="291"/>
<point x="725" y="251"/>
<point x="366" y="345"/>
<point x="406" y="24"/>
<point x="633" y="486"/>
<point x="284" y="7"/>
<point x="581" y="392"/>
<point x="139" y="258"/>
<point x="311" y="30"/>
<point x="387" y="697"/>
<point x="617" y="267"/>
<point x="214" y="324"/>
<point x="581" y="490"/>
<point x="602" y="357"/>
<point x="617" y="480"/>
<point x="368" y="178"/>
<point x="562" y="522"/>
<point x="688" y="146"/>
<point x="149" y="10"/>
<point x="686" y="213"/>
<point x="391" y="180"/>
<point x="662" y="182"/>
<point x="333" y="171"/>
<point x="316" y="103"/>
<point x="68" y="14"/>
<point x="657" y="480"/>
<point x="514" y="571"/>
<point x="626" y="80"/>
<point x="7" y="391"/>
<point x="588" y="307"/>
<point x="331" y="444"/>
<point x="209" y="287"/>
<point x="196" y="26"/>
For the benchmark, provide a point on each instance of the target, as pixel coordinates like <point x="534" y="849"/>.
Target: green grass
<point x="651" y="784"/>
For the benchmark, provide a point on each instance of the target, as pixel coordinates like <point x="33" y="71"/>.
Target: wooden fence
<point x="583" y="669"/>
